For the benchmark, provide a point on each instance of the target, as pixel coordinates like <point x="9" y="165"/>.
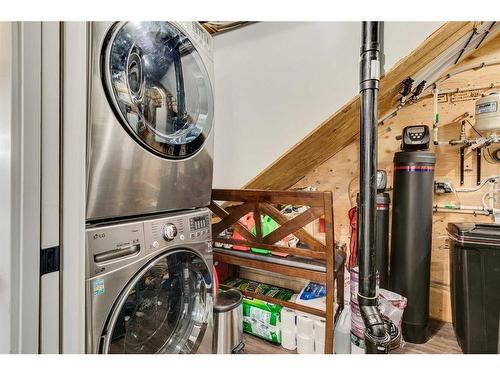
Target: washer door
<point x="164" y="309"/>
<point x="159" y="87"/>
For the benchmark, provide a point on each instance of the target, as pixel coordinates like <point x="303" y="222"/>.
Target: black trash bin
<point x="475" y="285"/>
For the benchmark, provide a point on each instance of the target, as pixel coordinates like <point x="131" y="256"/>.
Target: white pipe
<point x="466" y="68"/>
<point x="487" y="209"/>
<point x="460" y="207"/>
<point x="478" y="187"/>
<point x="462" y="131"/>
<point x="435" y="122"/>
<point x="491" y="195"/>
<point x="444" y="78"/>
<point x="469" y="88"/>
<point x="478" y="211"/>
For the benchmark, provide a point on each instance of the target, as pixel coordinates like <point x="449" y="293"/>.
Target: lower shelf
<point x="290" y="305"/>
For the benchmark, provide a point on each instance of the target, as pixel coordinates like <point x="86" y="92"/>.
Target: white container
<point x="488" y="113"/>
<point x="305" y="345"/>
<point x="342" y="332"/>
<point x="288" y="319"/>
<point x="305" y="326"/>
<point x="319" y="336"/>
<point x="289" y="339"/>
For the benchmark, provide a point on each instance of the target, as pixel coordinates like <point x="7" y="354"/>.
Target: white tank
<point x="488" y="114"/>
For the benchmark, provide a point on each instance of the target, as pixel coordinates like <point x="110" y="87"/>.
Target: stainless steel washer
<point x="149" y="285"/>
<point x="151" y="113"/>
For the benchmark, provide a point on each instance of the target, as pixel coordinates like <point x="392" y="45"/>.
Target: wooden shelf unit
<point x="317" y="262"/>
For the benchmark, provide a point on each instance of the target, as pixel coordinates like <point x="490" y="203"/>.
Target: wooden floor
<point x="442" y="342"/>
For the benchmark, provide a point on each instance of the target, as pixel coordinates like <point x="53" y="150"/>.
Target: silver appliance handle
<point x="117" y="253"/>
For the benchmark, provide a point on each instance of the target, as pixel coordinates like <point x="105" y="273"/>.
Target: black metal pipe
<point x="462" y="164"/>
<point x="376" y="337"/>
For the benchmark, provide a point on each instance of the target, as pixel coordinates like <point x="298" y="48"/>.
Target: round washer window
<point x="156" y="81"/>
<point x="165" y="309"/>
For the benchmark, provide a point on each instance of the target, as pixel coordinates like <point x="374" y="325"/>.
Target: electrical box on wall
<point x="442" y="187"/>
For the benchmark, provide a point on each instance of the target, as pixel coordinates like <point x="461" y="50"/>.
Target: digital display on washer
<point x="198" y="222"/>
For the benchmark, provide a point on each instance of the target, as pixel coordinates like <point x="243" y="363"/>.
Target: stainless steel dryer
<point x="150" y="137"/>
<point x="149" y="285"/>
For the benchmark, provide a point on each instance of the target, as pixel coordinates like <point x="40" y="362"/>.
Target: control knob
<point x="169" y="231"/>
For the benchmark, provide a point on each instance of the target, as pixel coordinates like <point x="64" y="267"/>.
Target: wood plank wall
<point x="340" y="173"/>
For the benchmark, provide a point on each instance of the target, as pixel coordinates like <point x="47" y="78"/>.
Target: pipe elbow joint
<point x="373" y="320"/>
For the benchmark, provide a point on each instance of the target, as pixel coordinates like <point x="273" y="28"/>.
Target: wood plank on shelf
<point x="315" y="276"/>
<point x="282" y="249"/>
<point x="330" y="276"/>
<point x="311" y="199"/>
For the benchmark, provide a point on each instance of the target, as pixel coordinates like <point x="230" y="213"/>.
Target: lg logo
<point x="99" y="235"/>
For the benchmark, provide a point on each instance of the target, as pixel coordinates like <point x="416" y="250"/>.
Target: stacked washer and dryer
<point x="149" y="177"/>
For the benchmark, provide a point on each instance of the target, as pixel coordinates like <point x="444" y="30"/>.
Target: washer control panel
<point x="110" y="246"/>
<point x="178" y="229"/>
<point x="199" y="226"/>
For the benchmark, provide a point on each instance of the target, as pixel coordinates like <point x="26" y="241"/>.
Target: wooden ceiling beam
<point x="342" y="127"/>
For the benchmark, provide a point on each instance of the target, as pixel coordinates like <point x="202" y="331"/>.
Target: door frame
<point x="20" y="169"/>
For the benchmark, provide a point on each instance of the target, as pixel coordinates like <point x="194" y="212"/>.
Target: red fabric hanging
<point x="353" y="246"/>
<point x="216" y="281"/>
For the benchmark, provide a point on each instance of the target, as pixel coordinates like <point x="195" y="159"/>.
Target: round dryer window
<point x="165" y="308"/>
<point x="158" y="84"/>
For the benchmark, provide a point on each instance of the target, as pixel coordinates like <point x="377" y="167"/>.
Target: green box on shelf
<point x="260" y="288"/>
<point x="262" y="319"/>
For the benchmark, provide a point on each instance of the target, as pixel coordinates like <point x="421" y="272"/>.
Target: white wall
<point x="276" y="81"/>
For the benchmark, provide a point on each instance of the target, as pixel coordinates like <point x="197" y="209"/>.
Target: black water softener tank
<point x="412" y="229"/>
<point x="382" y="230"/>
<point x="382" y="239"/>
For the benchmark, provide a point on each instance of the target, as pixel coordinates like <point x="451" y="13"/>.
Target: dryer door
<point x="159" y="87"/>
<point x="165" y="309"/>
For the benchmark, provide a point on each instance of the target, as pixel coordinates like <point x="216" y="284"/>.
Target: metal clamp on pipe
<point x="377" y="339"/>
